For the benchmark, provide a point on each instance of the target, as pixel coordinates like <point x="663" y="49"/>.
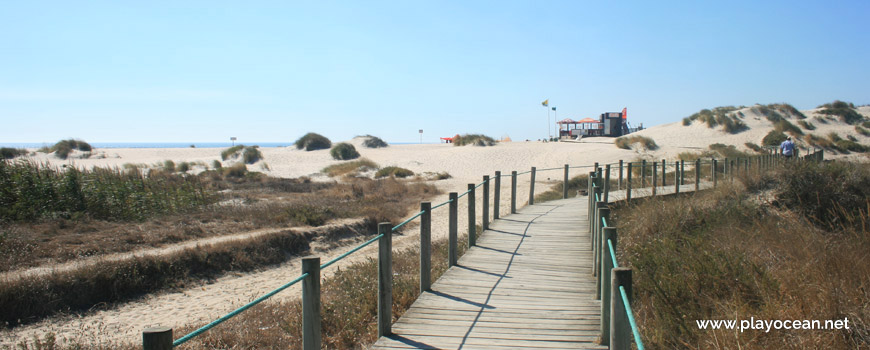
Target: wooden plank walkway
<point x="527" y="284"/>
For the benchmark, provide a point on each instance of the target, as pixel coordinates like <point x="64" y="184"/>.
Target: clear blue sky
<point x="186" y="71"/>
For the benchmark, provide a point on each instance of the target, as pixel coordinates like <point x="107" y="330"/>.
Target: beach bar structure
<point x="611" y="124"/>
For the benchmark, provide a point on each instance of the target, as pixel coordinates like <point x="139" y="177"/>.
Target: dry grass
<point x="626" y="142"/>
<point x="758" y="249"/>
<point x="473" y="139"/>
<point x="346" y="168"/>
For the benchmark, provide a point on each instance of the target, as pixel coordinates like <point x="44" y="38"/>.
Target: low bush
<point x="754" y="147"/>
<point x="248" y="154"/>
<point x="216" y="164"/>
<point x="374" y="142"/>
<point x="773" y="138"/>
<point x="626" y="142"/>
<point x="235" y="171"/>
<point x="806" y="125"/>
<point x="727" y="151"/>
<point x="183" y="167"/>
<point x="862" y="131"/>
<point x="169" y="166"/>
<point x="844" y="110"/>
<point x="63" y="148"/>
<point x="312" y="141"/>
<point x="340" y="169"/>
<point x="344" y="151"/>
<point x="393" y="171"/>
<point x="473" y="139"/>
<point x="10" y="153"/>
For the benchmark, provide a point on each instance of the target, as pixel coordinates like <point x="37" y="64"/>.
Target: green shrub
<point x="344" y="151"/>
<point x="374" y="142"/>
<point x="788" y="109"/>
<point x="339" y="169"/>
<point x="844" y="110"/>
<point x="9" y="153"/>
<point x="216" y="164"/>
<point x="626" y="142"/>
<point x="252" y="155"/>
<point x="231" y="152"/>
<point x="169" y="166"/>
<point x="473" y="139"/>
<point x="773" y="138"/>
<point x="783" y="125"/>
<point x="806" y="125"/>
<point x="312" y="141"/>
<point x="63" y="148"/>
<point x="183" y="167"/>
<point x="727" y="151"/>
<point x="754" y="147"/>
<point x="862" y="131"/>
<point x="394" y="171"/>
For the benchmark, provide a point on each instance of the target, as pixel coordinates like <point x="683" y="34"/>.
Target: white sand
<point x="465" y="165"/>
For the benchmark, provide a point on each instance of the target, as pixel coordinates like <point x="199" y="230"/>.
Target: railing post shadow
<point x="513" y="192"/>
<point x="385" y="280"/>
<point x="425" y="247"/>
<point x="157" y="338"/>
<point x="620" y="327"/>
<point x="532" y="188"/>
<point x="311" y="319"/>
<point x="565" y="184"/>
<point x="496" y="202"/>
<point x="472" y="224"/>
<point x="609" y="233"/>
<point x="485" y="213"/>
<point x="453" y="226"/>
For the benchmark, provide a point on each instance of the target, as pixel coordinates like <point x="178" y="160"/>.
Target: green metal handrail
<point x="631" y="321"/>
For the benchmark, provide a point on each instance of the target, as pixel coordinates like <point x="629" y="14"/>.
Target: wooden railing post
<point x="620" y="327"/>
<point x="485" y="213"/>
<point x="619" y="186"/>
<point x="714" y="172"/>
<point x="655" y="178"/>
<point x="311" y="303"/>
<point x="513" y="192"/>
<point x="731" y="170"/>
<point x="496" y="202"/>
<point x="593" y="229"/>
<point x="678" y="177"/>
<point x="643" y="173"/>
<point x="472" y="219"/>
<point x="385" y="280"/>
<point x="609" y="233"/>
<point x="603" y="212"/>
<point x="453" y="226"/>
<point x="532" y="188"/>
<point x="425" y="247"/>
<point x="565" y="184"/>
<point x="607" y="183"/>
<point x="664" y="174"/>
<point x="590" y="192"/>
<point x="697" y="174"/>
<point x="682" y="172"/>
<point x="157" y="338"/>
<point x="628" y="184"/>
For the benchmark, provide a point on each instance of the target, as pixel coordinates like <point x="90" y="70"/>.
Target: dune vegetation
<point x="393" y="171"/>
<point x="843" y="110"/>
<point x="248" y="154"/>
<point x="343" y="151"/>
<point x="778" y="246"/>
<point x="63" y="148"/>
<point x="643" y="142"/>
<point x="312" y="142"/>
<point x="10" y="153"/>
<point x="374" y="142"/>
<point x="723" y="116"/>
<point x="345" y="168"/>
<point x="473" y="139"/>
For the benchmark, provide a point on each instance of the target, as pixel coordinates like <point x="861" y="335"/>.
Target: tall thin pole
<point x="548" y="122"/>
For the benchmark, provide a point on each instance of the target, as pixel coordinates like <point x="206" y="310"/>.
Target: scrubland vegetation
<point x="789" y="244"/>
<point x="248" y="154"/>
<point x="724" y="116"/>
<point x="343" y="151"/>
<point x="843" y="110"/>
<point x="312" y="141"/>
<point x="393" y="171"/>
<point x="473" y="139"/>
<point x="63" y="148"/>
<point x="354" y="167"/>
<point x="10" y="153"/>
<point x="53" y="215"/>
<point x="626" y="142"/>
<point x="374" y="142"/>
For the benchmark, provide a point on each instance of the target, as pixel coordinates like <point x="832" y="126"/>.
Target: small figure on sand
<point x="787" y="147"/>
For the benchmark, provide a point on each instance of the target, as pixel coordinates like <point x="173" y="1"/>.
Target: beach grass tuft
<point x="343" y="151"/>
<point x="393" y="171"/>
<point x="626" y="142"/>
<point x="313" y="141"/>
<point x="844" y="110"/>
<point x="473" y="139"/>
<point x="340" y="169"/>
<point x="374" y="142"/>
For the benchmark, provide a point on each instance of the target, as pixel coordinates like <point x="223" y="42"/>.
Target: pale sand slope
<point x="466" y="165"/>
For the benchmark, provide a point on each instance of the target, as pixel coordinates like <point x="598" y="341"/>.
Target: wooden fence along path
<point x="526" y="284"/>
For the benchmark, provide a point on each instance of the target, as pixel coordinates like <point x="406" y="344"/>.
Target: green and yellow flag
<point x="546" y="102"/>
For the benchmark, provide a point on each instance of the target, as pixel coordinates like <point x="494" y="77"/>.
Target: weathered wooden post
<point x="603" y="213"/>
<point x="654" y="177"/>
<point x="565" y="184"/>
<point x="157" y="338"/>
<point x="697" y="174"/>
<point x="664" y="165"/>
<point x="678" y="176"/>
<point x="724" y="167"/>
<point x="682" y="172"/>
<point x="731" y="170"/>
<point x="590" y="184"/>
<point x="643" y="173"/>
<point x="607" y="183"/>
<point x="496" y="196"/>
<point x="453" y="227"/>
<point x="513" y="192"/>
<point x="620" y="327"/>
<point x="619" y="186"/>
<point x="385" y="280"/>
<point x="628" y="184"/>
<point x="532" y="188"/>
<point x="485" y="202"/>
<point x="609" y="234"/>
<point x="425" y="247"/>
<point x="472" y="224"/>
<point x="311" y="303"/>
<point x="714" y="172"/>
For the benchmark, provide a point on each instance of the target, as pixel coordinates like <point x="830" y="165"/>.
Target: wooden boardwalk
<point x="527" y="284"/>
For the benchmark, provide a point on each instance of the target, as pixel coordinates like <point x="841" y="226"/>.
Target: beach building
<point x="611" y="124"/>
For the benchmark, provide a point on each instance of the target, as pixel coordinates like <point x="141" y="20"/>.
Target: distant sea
<point x="167" y="144"/>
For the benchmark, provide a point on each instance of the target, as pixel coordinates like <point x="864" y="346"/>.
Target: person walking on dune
<point x="787" y="147"/>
